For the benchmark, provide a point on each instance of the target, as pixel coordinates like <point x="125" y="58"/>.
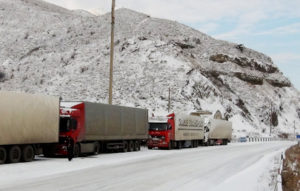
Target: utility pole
<point x="271" y="118"/>
<point x="111" y="51"/>
<point x="169" y="100"/>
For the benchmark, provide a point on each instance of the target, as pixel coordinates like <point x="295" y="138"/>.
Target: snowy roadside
<point x="261" y="176"/>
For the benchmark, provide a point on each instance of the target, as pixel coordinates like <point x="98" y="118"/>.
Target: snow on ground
<point x="238" y="166"/>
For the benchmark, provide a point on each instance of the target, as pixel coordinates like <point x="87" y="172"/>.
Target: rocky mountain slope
<point x="52" y="50"/>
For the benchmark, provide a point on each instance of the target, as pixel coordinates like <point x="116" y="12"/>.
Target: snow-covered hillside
<point x="52" y="50"/>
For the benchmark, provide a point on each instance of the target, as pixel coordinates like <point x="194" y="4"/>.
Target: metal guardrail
<point x="259" y="139"/>
<point x="278" y="181"/>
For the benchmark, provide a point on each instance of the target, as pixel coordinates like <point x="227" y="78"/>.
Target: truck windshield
<point x="64" y="124"/>
<point x="158" y="126"/>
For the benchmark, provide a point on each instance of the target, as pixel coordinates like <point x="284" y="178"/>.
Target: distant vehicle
<point x="242" y="139"/>
<point x="218" y="132"/>
<point x="181" y="130"/>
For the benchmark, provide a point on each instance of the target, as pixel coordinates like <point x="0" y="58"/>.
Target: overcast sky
<point x="269" y="26"/>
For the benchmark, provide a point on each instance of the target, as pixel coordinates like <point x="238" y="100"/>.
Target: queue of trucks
<point x="38" y="124"/>
<point x="188" y="130"/>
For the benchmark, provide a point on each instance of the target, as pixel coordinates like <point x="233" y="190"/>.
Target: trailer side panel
<point x="110" y="122"/>
<point x="28" y="119"/>
<point x="188" y="127"/>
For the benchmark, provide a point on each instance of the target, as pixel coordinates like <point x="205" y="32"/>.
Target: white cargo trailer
<point x="28" y="122"/>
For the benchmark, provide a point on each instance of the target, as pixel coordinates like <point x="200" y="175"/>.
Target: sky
<point x="268" y="26"/>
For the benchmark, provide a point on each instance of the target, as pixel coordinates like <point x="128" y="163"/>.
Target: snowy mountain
<point x="48" y="49"/>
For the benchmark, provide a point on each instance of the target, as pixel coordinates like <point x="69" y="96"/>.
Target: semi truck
<point x="38" y="124"/>
<point x="96" y="127"/>
<point x="179" y="130"/>
<point x="217" y="132"/>
<point x="28" y="124"/>
<point x="188" y="130"/>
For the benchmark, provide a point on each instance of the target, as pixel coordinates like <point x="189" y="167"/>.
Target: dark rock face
<point x="250" y="79"/>
<point x="244" y="62"/>
<point x="220" y="58"/>
<point x="278" y="83"/>
<point x="240" y="103"/>
<point x="252" y="65"/>
<point x="184" y="46"/>
<point x="274" y="119"/>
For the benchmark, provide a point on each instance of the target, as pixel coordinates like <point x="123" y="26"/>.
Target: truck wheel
<point x="27" y="153"/>
<point x="179" y="146"/>
<point x="3" y="155"/>
<point x="137" y="146"/>
<point x="196" y="143"/>
<point x="76" y="150"/>
<point x="193" y="144"/>
<point x="125" y="148"/>
<point x="97" y="148"/>
<point x="14" y="154"/>
<point x="134" y="145"/>
<point x="130" y="146"/>
<point x="170" y="145"/>
<point x="149" y="147"/>
<point x="225" y="141"/>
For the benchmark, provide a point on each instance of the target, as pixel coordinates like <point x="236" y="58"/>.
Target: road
<point x="209" y="168"/>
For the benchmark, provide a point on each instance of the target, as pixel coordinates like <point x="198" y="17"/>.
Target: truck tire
<point x="3" y="155"/>
<point x="125" y="147"/>
<point x="137" y="146"/>
<point x="130" y="146"/>
<point x="149" y="147"/>
<point x="27" y="153"/>
<point x="97" y="148"/>
<point x="196" y="143"/>
<point x="76" y="150"/>
<point x="179" y="145"/>
<point x="225" y="141"/>
<point x="170" y="145"/>
<point x="14" y="154"/>
<point x="193" y="144"/>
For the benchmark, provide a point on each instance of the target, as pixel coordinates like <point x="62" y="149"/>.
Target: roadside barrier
<point x="256" y="139"/>
<point x="278" y="180"/>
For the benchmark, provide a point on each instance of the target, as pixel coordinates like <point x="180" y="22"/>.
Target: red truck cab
<point x="161" y="133"/>
<point x="71" y="127"/>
